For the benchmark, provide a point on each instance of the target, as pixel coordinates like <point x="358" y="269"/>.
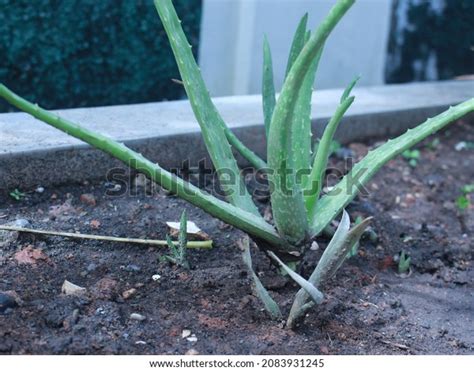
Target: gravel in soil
<point x="121" y="299"/>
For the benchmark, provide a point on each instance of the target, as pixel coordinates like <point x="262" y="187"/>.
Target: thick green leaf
<point x="330" y="205"/>
<point x="309" y="288"/>
<point x="316" y="178"/>
<point x="288" y="206"/>
<point x="268" y="85"/>
<point x="270" y="305"/>
<point x="214" y="131"/>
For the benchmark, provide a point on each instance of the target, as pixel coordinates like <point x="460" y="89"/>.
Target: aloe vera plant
<point x="295" y="175"/>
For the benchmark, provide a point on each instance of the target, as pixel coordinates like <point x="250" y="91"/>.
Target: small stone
<point x="186" y="333"/>
<point x="21" y="223"/>
<point x="88" y="199"/>
<point x="324" y="350"/>
<point x="137" y="317"/>
<point x="127" y="294"/>
<point x="314" y="246"/>
<point x="95" y="224"/>
<point x="39" y="190"/>
<point x="7" y="301"/>
<point x="192" y="338"/>
<point x="140" y="342"/>
<point x="460" y="146"/>
<point x="69" y="288"/>
<point x="156" y="277"/>
<point x="192" y="352"/>
<point x="7" y="238"/>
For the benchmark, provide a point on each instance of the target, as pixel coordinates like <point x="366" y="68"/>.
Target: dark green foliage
<point x="449" y="35"/>
<point x="74" y="53"/>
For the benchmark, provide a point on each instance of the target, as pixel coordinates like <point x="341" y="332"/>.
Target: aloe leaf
<point x="330" y="205"/>
<point x="268" y="85"/>
<point x="212" y="125"/>
<point x="270" y="305"/>
<point x="316" y="177"/>
<point x="288" y="206"/>
<point x="299" y="39"/>
<point x="301" y="117"/>
<point x="301" y="123"/>
<point x="334" y="255"/>
<point x="336" y="252"/>
<point x="248" y="222"/>
<point x="312" y="291"/>
<point x="173" y="249"/>
<point x="348" y="89"/>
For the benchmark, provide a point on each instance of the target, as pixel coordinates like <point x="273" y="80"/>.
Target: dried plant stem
<point x="190" y="244"/>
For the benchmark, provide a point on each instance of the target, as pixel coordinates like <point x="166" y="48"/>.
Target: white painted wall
<point x="230" y="53"/>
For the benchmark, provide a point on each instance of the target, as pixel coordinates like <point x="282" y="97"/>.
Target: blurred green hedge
<point x="435" y="41"/>
<point x="73" y="53"/>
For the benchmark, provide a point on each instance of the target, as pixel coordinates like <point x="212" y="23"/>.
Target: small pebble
<point x="185" y="333"/>
<point x="192" y="352"/>
<point x="69" y="288"/>
<point x="39" y="190"/>
<point x="21" y="223"/>
<point x="88" y="199"/>
<point x="137" y="317"/>
<point x="192" y="338"/>
<point x="127" y="294"/>
<point x="460" y="146"/>
<point x="314" y="246"/>
<point x="155" y="277"/>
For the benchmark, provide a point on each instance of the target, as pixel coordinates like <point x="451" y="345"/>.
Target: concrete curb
<point x="31" y="153"/>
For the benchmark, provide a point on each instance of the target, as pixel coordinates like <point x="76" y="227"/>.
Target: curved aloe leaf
<point x="302" y="125"/>
<point x="330" y="205"/>
<point x="331" y="260"/>
<point x="214" y="131"/>
<point x="268" y="85"/>
<point x="270" y="305"/>
<point x="316" y="178"/>
<point x="312" y="291"/>
<point x="230" y="214"/>
<point x="288" y="207"/>
<point x="336" y="252"/>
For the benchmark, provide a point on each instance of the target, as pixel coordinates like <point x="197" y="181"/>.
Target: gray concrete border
<point x="31" y="153"/>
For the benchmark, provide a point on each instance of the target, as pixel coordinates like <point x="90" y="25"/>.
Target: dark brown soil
<point x="369" y="308"/>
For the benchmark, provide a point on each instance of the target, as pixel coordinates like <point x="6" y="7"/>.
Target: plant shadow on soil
<point x="369" y="308"/>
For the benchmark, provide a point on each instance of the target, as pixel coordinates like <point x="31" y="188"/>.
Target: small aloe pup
<point x="300" y="211"/>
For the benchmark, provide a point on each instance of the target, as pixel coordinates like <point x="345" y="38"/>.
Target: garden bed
<point x="369" y="308"/>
